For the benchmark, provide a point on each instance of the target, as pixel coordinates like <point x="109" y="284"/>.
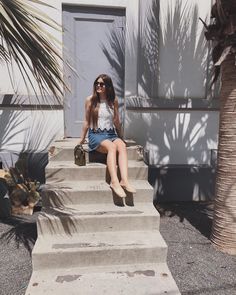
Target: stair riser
<point x="68" y="155"/>
<point x="99" y="257"/>
<point x="60" y="197"/>
<point x="69" y="226"/>
<point x="92" y="173"/>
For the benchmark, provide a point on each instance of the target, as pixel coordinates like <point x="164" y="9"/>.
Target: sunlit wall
<point x="171" y="109"/>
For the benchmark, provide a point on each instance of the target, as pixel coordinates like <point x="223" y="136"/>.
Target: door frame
<point x="72" y="15"/>
<point x="131" y="43"/>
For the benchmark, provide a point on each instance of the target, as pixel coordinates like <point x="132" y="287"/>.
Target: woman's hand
<point x="82" y="141"/>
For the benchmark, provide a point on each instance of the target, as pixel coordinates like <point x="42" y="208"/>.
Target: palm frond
<point x="222" y="31"/>
<point x="24" y="41"/>
<point x="3" y="54"/>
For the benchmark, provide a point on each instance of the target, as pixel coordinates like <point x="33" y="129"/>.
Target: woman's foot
<point x="128" y="187"/>
<point x="118" y="190"/>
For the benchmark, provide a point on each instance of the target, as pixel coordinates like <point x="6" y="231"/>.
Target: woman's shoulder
<point x="88" y="98"/>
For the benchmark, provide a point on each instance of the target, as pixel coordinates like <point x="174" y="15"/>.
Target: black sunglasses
<point x="101" y="84"/>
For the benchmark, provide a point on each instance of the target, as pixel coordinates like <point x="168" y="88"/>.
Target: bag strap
<point x="80" y="147"/>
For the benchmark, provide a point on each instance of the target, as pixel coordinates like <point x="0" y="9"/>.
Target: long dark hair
<point x="95" y="100"/>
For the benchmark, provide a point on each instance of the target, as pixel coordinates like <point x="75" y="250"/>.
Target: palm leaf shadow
<point x="116" y="58"/>
<point x="175" y="40"/>
<point x="185" y="50"/>
<point x="179" y="37"/>
<point x="26" y="136"/>
<point x="10" y="121"/>
<point x="22" y="231"/>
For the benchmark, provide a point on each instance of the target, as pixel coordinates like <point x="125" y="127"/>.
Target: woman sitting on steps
<point x="102" y="121"/>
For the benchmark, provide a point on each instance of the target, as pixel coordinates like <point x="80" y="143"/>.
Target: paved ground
<point x="196" y="266"/>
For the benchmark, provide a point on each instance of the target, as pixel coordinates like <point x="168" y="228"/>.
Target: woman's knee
<point x="121" y="146"/>
<point x="112" y="148"/>
<point x="107" y="146"/>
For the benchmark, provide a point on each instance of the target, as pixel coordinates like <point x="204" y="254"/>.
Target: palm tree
<point x="223" y="34"/>
<point x="25" y="42"/>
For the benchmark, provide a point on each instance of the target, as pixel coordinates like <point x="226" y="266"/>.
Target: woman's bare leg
<point x="123" y="164"/>
<point x="122" y="159"/>
<point x="110" y="148"/>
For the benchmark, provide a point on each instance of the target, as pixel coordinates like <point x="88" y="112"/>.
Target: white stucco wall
<point x="173" y="66"/>
<point x="27" y="130"/>
<point x="183" y="57"/>
<point x="17" y="133"/>
<point x="172" y="136"/>
<point x="37" y="128"/>
<point x="175" y="137"/>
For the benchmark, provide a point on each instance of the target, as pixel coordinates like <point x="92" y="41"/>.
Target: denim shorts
<point x="96" y="136"/>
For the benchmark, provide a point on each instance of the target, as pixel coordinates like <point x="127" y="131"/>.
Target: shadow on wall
<point x="26" y="135"/>
<point x="173" y="53"/>
<point x="116" y="59"/>
<point x="176" y="137"/>
<point x="180" y="140"/>
<point x="11" y="131"/>
<point x="182" y="183"/>
<point x="172" y="136"/>
<point x="181" y="137"/>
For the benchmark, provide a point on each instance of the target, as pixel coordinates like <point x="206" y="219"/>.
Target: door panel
<point x="94" y="44"/>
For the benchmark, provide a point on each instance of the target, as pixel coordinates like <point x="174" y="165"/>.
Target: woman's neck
<point x="102" y="96"/>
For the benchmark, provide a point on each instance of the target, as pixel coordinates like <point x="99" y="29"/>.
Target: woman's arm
<point x="116" y="120"/>
<point x="86" y="121"/>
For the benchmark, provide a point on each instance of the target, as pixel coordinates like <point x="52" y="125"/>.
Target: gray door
<point x="93" y="44"/>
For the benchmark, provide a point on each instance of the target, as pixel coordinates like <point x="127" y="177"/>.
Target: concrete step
<point x="73" y="141"/>
<point x="67" y="154"/>
<point x="57" y="171"/>
<point x="99" y="248"/>
<point x="139" y="279"/>
<point x="92" y="242"/>
<point x="92" y="192"/>
<point x="63" y="150"/>
<point x="97" y="218"/>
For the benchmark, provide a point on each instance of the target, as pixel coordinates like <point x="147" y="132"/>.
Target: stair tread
<point x="74" y="219"/>
<point x="70" y="146"/>
<point x="98" y="241"/>
<point x="88" y="185"/>
<point x="124" y="235"/>
<point x="72" y="142"/>
<point x="139" y="279"/>
<point x="70" y="164"/>
<point x="100" y="209"/>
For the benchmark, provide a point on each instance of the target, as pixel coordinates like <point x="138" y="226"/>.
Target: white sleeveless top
<point x="105" y="116"/>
